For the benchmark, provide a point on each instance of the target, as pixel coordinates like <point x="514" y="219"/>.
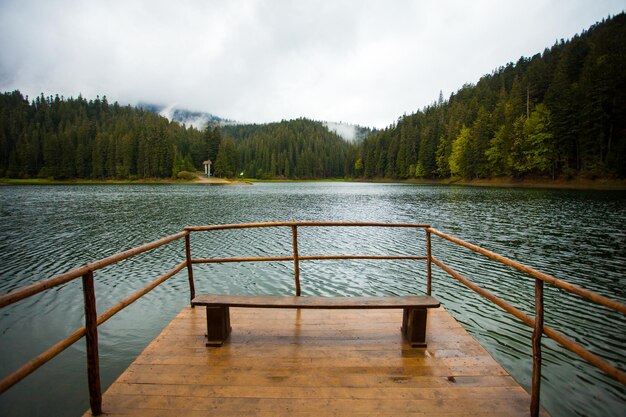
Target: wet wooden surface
<point x="421" y="301"/>
<point x="315" y="363"/>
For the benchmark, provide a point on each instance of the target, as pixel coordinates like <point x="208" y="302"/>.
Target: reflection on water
<point x="579" y="236"/>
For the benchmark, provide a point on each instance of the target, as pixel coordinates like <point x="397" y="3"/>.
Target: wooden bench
<point x="218" y="313"/>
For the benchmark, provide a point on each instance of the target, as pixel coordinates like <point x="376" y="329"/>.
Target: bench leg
<point x="217" y="325"/>
<point x="414" y="326"/>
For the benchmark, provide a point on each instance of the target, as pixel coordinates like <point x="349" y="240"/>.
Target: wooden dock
<point x="314" y="363"/>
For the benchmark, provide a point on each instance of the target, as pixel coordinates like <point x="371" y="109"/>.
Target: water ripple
<point x="575" y="235"/>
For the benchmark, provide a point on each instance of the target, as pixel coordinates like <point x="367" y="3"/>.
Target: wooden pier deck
<point x="315" y="363"/>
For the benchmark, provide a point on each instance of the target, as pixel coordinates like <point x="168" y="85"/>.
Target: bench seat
<point x="218" y="314"/>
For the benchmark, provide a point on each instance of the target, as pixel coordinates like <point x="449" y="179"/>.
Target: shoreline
<point x="218" y="181"/>
<point x="504" y="182"/>
<point x="535" y="183"/>
<point x="147" y="181"/>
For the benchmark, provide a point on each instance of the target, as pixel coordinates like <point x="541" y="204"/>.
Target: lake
<point x="578" y="236"/>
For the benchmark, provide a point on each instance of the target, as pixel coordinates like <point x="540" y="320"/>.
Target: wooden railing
<point x="295" y="256"/>
<point x="92" y="320"/>
<point x="537" y="323"/>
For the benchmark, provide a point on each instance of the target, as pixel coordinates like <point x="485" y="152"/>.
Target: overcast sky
<point x="365" y="62"/>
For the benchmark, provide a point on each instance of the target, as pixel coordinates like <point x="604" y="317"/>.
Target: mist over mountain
<point x="199" y="120"/>
<point x="351" y="133"/>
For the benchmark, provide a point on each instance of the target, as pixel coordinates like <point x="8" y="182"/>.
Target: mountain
<point x="197" y="119"/>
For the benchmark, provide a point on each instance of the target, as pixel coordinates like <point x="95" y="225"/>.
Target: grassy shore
<point x="577" y="183"/>
<point x="48" y="181"/>
<point x="506" y="182"/>
<point x="298" y="180"/>
<point x="78" y="181"/>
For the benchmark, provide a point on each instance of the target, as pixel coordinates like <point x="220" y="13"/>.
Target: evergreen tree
<point x="461" y="158"/>
<point x="226" y="161"/>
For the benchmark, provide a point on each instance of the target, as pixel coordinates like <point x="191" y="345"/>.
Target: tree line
<point x="63" y="138"/>
<point x="298" y="148"/>
<point x="55" y="137"/>
<point x="561" y="113"/>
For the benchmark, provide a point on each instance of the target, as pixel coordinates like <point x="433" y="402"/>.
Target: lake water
<point x="579" y="236"/>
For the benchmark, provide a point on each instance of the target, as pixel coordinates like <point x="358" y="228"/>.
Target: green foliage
<point x="299" y="149"/>
<point x="539" y="149"/>
<point x="212" y="138"/>
<point x="498" y="151"/>
<point x="186" y="175"/>
<point x="182" y="164"/>
<point x="226" y="161"/>
<point x="420" y="172"/>
<point x="358" y="166"/>
<point x="461" y="159"/>
<point x="532" y="150"/>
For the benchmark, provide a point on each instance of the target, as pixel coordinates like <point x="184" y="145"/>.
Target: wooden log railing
<point x="92" y="320"/>
<point x="537" y="323"/>
<point x="295" y="256"/>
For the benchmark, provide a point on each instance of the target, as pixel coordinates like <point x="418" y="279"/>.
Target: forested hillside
<point x="53" y="137"/>
<point x="561" y="113"/>
<point x="295" y="149"/>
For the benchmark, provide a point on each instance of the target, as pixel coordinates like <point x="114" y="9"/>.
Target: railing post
<point x="536" y="342"/>
<point x="428" y="263"/>
<point x="91" y="338"/>
<point x="296" y="258"/>
<point x="192" y="288"/>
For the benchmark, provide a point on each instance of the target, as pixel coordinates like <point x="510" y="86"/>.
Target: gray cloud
<point x="365" y="62"/>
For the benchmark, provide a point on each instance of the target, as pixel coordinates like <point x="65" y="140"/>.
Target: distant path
<point x="204" y="180"/>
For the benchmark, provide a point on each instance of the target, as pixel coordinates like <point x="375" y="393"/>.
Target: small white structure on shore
<point x="207" y="168"/>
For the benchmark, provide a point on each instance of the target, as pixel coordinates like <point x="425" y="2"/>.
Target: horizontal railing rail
<point x="92" y="320"/>
<point x="36" y="288"/>
<point x="302" y="224"/>
<point x="306" y="258"/>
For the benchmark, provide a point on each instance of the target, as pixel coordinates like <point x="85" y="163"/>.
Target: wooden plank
<point x="264" y="301"/>
<point x="192" y="413"/>
<point x="349" y="376"/>
<point x="218" y="413"/>
<point x="315" y="363"/>
<point x="243" y="377"/>
<point x="319" y="362"/>
<point x="422" y="393"/>
<point x="312" y="352"/>
<point x="253" y="406"/>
